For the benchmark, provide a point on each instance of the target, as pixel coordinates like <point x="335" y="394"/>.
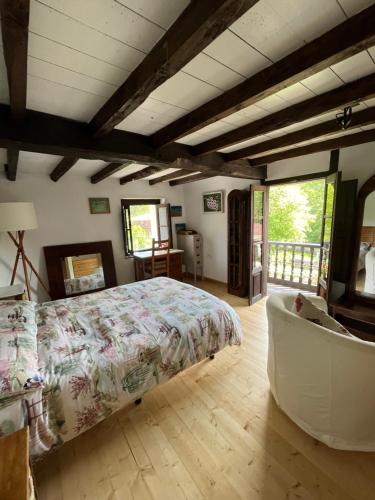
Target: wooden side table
<point x="12" y="292"/>
<point x="15" y="475"/>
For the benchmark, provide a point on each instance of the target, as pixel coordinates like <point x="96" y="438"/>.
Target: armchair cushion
<point x="304" y="308"/>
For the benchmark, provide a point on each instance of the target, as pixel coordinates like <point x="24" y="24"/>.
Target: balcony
<point x="294" y="265"/>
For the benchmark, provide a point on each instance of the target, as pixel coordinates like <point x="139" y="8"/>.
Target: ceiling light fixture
<point x="344" y="119"/>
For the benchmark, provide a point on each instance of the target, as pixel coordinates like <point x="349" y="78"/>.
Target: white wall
<point x="357" y="162"/>
<point x="369" y="214"/>
<point x="212" y="226"/>
<point x="63" y="216"/>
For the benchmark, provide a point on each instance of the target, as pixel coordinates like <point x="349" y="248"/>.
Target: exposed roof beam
<point x="358" y="90"/>
<point x="190" y="178"/>
<point x="141" y="174"/>
<point x="169" y="177"/>
<point x="199" y="24"/>
<point x="360" y="118"/>
<point x="345" y="40"/>
<point x="213" y="164"/>
<point x="108" y="170"/>
<point x="14" y="27"/>
<point x="49" y="134"/>
<point x="62" y="168"/>
<point x="336" y="143"/>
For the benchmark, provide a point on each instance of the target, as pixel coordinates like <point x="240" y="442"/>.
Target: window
<point x="144" y="220"/>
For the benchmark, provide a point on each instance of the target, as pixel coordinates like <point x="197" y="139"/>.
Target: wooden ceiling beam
<point x="191" y="178"/>
<point x="365" y="117"/>
<point x="62" y="168"/>
<point x="198" y="25"/>
<point x="15" y="28"/>
<point x="49" y="134"/>
<point x="356" y="91"/>
<point x="169" y="177"/>
<point x="141" y="174"/>
<point x="108" y="170"/>
<point x="343" y="41"/>
<point x="336" y="143"/>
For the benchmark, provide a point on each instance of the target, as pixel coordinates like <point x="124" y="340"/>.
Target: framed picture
<point x="213" y="201"/>
<point x="180" y="227"/>
<point x="176" y="211"/>
<point x="99" y="206"/>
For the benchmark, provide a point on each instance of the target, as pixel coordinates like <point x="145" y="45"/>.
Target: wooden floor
<point x="212" y="432"/>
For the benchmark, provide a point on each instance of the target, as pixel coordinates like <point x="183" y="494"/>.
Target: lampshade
<point x="17" y="216"/>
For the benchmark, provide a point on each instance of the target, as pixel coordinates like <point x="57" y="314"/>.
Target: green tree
<point x="314" y="193"/>
<point x="283" y="221"/>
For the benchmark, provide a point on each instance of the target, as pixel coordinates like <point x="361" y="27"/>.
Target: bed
<point x="96" y="353"/>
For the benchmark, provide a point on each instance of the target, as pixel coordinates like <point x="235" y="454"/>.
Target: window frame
<point x="126" y="203"/>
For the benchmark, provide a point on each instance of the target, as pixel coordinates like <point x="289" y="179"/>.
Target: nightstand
<point x="12" y="292"/>
<point x="15" y="475"/>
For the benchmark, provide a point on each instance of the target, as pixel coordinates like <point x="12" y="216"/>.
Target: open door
<point x="258" y="243"/>
<point x="329" y="206"/>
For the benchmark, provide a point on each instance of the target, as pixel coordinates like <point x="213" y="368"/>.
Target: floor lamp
<point x="19" y="217"/>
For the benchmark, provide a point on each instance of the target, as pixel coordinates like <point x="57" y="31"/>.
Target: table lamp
<point x="19" y="217"/>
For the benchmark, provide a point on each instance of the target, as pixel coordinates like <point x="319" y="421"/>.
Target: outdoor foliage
<point x="295" y="212"/>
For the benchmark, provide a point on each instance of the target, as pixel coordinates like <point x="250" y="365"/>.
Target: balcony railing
<point x="294" y="264"/>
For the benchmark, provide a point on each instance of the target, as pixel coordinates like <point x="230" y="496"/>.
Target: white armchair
<point x="324" y="381"/>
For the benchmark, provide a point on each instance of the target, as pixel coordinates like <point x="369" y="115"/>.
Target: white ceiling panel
<point x="62" y="76"/>
<point x="56" y="99"/>
<point x="56" y="26"/>
<point x="323" y="81"/>
<point x="193" y="139"/>
<point x="166" y="111"/>
<point x="244" y="144"/>
<point x="209" y="70"/>
<point x="277" y="27"/>
<point x="233" y="52"/>
<point x="295" y="93"/>
<point x="141" y="121"/>
<point x="161" y="12"/>
<point x="354" y="67"/>
<point x="112" y="19"/>
<point x="163" y="172"/>
<point x="185" y="91"/>
<point x="36" y="163"/>
<point x="216" y="128"/>
<point x="74" y="60"/>
<point x="272" y="103"/>
<point x="368" y="127"/>
<point x="129" y="169"/>
<point x="253" y="112"/>
<point x="352" y="7"/>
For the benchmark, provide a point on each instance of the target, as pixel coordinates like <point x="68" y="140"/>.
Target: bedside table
<point x="15" y="475"/>
<point x="12" y="292"/>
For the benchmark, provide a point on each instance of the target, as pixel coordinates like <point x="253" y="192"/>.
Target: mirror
<point x="79" y="268"/>
<point x="365" y="278"/>
<point x="82" y="273"/>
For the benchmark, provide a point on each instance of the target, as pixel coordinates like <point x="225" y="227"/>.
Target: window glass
<point x="143" y="226"/>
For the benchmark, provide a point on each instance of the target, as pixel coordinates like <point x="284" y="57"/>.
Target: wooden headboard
<point x="368" y="234"/>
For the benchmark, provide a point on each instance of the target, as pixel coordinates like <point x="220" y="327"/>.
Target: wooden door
<point x="329" y="206"/>
<point x="258" y="251"/>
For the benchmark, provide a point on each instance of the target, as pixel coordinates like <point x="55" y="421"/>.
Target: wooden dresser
<point x="15" y="475"/>
<point x="191" y="244"/>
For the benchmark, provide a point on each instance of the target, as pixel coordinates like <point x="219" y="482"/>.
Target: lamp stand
<point x="25" y="261"/>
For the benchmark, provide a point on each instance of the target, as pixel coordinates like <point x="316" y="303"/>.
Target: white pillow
<point x="304" y="308"/>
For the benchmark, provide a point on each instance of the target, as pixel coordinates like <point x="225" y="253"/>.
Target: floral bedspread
<point x="100" y="351"/>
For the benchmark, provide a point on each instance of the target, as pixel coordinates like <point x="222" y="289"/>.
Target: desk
<point x="175" y="263"/>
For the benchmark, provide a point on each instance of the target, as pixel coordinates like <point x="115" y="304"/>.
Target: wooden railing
<point x="294" y="265"/>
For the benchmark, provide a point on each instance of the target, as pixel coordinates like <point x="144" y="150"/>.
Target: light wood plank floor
<point x="212" y="432"/>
